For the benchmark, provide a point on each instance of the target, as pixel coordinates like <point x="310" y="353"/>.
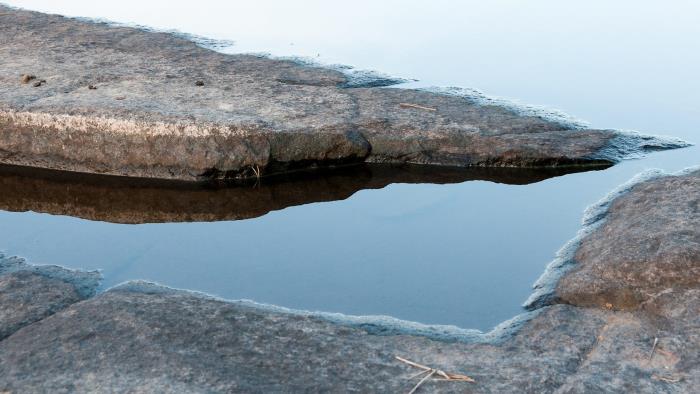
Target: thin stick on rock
<point x="415" y="375"/>
<point x="667" y="379"/>
<point x="416" y="106"/>
<point x="413" y="364"/>
<point x="653" y="348"/>
<point x="460" y="378"/>
<point x="432" y="372"/>
<point x="443" y="376"/>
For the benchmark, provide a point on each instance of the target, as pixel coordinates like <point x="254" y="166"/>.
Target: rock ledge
<point x="124" y="101"/>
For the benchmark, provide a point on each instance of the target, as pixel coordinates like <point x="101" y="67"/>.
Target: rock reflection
<point x="134" y="201"/>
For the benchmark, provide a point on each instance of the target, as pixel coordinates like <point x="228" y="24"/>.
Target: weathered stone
<point x="649" y="244"/>
<point x="31" y="293"/>
<point x="253" y="116"/>
<point x="143" y="338"/>
<point x="27" y="297"/>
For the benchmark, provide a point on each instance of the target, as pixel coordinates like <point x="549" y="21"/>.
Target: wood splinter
<point x="443" y="376"/>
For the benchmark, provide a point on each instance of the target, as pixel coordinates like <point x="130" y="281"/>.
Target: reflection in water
<point x="134" y="201"/>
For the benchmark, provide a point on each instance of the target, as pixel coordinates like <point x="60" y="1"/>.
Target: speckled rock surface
<point x="661" y="247"/>
<point x="123" y="101"/>
<point x="143" y="338"/>
<point x="27" y="298"/>
<point x="31" y="293"/>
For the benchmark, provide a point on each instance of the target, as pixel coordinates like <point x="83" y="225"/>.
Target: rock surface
<point x="30" y="293"/>
<point x="640" y="258"/>
<point x="128" y="200"/>
<point x="661" y="248"/>
<point x="125" y="101"/>
<point x="27" y="298"/>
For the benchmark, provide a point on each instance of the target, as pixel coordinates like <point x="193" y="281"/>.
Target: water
<point x="462" y="253"/>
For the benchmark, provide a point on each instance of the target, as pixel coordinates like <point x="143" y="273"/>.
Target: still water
<point x="368" y="242"/>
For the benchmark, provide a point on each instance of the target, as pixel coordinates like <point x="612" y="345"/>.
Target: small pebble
<point x="38" y="83"/>
<point x="119" y="98"/>
<point x="25" y="78"/>
<point x="92" y="87"/>
<point x="199" y="83"/>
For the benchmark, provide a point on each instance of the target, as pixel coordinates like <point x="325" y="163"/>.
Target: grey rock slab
<point x="169" y="341"/>
<point x="31" y="293"/>
<point x="125" y="101"/>
<point x="649" y="243"/>
<point x="26" y="298"/>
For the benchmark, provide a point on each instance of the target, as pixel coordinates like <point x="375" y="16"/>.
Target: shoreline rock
<point x="623" y="318"/>
<point x="251" y="116"/>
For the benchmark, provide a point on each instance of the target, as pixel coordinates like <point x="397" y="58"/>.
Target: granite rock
<point x="169" y="108"/>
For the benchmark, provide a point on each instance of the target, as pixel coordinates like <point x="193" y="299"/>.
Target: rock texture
<point x="95" y="98"/>
<point x="27" y="298"/>
<point x="29" y="293"/>
<point x="635" y="328"/>
<point x="128" y="200"/>
<point x="661" y="252"/>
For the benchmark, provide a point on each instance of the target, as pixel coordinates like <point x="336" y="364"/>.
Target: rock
<point x="92" y="87"/>
<point x="30" y="293"/>
<point x="258" y="116"/>
<point x="25" y="78"/>
<point x="28" y="297"/>
<point x="661" y="247"/>
<point x="199" y="83"/>
<point x="144" y="337"/>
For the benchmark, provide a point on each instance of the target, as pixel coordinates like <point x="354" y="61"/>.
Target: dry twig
<point x="444" y="376"/>
<point x="667" y="379"/>
<point x="432" y="372"/>
<point x="416" y="106"/>
<point x="256" y="171"/>
<point x="653" y="348"/>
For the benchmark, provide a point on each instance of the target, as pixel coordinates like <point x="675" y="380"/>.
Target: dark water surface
<point x="375" y="240"/>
